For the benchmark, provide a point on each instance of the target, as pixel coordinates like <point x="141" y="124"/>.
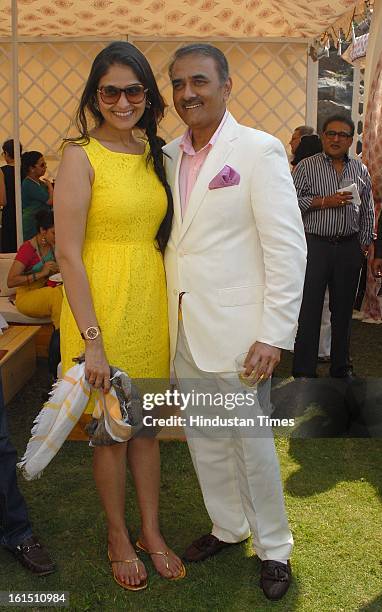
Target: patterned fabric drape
<point x="169" y="18"/>
<point x="372" y="157"/>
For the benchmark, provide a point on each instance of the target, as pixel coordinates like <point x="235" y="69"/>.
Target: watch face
<point x="91" y="333"/>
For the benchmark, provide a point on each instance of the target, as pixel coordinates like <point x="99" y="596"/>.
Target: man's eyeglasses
<point x="341" y="135"/>
<point x="110" y="94"/>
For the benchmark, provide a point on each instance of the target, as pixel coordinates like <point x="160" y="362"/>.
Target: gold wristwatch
<point x="91" y="333"/>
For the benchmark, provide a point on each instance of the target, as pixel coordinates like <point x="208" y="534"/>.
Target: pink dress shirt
<point x="192" y="162"/>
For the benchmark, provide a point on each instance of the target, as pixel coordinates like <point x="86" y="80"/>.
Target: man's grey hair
<point x="304" y="130"/>
<point x="206" y="50"/>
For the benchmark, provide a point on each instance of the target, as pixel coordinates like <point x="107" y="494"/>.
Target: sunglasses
<point x="341" y="135"/>
<point x="110" y="94"/>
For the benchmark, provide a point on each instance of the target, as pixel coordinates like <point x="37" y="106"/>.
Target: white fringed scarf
<point x="59" y="415"/>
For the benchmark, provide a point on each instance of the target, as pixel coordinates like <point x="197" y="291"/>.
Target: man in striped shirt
<point x="338" y="232"/>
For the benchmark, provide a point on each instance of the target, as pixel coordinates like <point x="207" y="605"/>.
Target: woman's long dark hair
<point x="124" y="53"/>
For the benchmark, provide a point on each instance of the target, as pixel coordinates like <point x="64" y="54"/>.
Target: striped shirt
<point x="317" y="177"/>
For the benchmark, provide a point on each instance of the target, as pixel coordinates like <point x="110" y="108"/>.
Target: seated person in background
<point x="36" y="192"/>
<point x="34" y="263"/>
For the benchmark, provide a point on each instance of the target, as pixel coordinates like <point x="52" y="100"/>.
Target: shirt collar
<point x="186" y="143"/>
<point x="330" y="159"/>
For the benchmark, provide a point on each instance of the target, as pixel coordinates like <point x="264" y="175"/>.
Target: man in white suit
<point x="235" y="265"/>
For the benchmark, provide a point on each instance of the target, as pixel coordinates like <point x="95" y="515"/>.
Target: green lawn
<point x="333" y="495"/>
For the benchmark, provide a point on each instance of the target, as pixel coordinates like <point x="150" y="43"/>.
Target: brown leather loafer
<point x="34" y="556"/>
<point x="275" y="579"/>
<point x="205" y="547"/>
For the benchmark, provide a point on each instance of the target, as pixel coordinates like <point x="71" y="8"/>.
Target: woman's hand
<point x="49" y="267"/>
<point x="49" y="187"/>
<point x="47" y="183"/>
<point x="97" y="369"/>
<point x="55" y="268"/>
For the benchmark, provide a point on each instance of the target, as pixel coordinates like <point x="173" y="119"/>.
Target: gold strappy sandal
<point x="164" y="554"/>
<point x="128" y="587"/>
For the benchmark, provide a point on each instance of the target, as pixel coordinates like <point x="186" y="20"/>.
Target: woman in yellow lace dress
<point x="113" y="212"/>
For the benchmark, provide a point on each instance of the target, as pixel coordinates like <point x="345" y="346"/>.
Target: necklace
<point x="40" y="247"/>
<point x="34" y="180"/>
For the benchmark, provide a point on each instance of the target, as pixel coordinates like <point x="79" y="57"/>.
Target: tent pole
<point x="311" y="92"/>
<point x="16" y="129"/>
<point x="355" y="114"/>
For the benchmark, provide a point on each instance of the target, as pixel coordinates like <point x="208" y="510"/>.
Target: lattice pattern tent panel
<point x="269" y="89"/>
<point x="269" y="83"/>
<point x="51" y="79"/>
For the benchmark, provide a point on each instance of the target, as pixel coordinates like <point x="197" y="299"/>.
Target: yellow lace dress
<point x="124" y="266"/>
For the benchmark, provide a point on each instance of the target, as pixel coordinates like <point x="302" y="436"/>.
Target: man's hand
<point x="340" y="198"/>
<point x="365" y="249"/>
<point x="377" y="267"/>
<point x="261" y="360"/>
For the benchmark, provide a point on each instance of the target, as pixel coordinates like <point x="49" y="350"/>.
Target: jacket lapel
<point x="214" y="163"/>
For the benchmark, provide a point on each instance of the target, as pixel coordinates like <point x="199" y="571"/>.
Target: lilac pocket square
<point x="227" y="177"/>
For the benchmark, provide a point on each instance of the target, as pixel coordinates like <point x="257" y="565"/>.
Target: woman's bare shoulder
<point x="75" y="160"/>
<point x="73" y="150"/>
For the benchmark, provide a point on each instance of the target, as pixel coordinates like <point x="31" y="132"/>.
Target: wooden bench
<point x="42" y="340"/>
<point x="17" y="358"/>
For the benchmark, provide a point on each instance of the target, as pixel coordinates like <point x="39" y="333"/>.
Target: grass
<point x="333" y="496"/>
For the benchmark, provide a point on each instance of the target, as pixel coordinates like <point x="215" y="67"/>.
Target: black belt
<point x="333" y="239"/>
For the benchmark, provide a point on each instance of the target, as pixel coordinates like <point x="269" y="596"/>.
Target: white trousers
<point x="238" y="471"/>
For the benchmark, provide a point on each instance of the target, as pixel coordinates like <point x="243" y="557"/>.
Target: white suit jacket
<point x="240" y="252"/>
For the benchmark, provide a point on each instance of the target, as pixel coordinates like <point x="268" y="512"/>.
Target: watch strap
<point x="91" y="333"/>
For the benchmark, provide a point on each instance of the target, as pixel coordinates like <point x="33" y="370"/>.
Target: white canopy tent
<point x="51" y="45"/>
